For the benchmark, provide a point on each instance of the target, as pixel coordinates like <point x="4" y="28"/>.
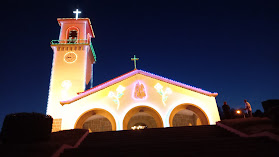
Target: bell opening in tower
<point x="72" y="36"/>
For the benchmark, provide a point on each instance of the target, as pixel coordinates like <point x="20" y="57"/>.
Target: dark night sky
<point x="229" y="47"/>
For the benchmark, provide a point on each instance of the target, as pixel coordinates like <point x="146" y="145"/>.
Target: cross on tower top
<point x="76" y="12"/>
<point x="135" y="61"/>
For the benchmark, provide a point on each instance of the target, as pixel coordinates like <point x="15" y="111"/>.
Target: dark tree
<point x="258" y="113"/>
<point x="271" y="109"/>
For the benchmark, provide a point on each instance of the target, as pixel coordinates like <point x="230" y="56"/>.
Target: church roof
<point x="129" y="74"/>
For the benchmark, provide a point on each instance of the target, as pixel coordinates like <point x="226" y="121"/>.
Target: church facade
<point x="131" y="101"/>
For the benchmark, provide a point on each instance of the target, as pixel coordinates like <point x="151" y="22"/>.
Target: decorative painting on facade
<point x="139" y="91"/>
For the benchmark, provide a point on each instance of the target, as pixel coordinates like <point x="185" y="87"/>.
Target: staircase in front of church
<point x="207" y="140"/>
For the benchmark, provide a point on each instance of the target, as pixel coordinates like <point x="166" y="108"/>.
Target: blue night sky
<point x="228" y="47"/>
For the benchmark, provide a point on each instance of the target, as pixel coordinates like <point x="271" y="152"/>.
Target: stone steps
<point x="177" y="141"/>
<point x="42" y="148"/>
<point x="27" y="150"/>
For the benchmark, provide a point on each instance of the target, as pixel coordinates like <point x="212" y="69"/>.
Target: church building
<point x="134" y="100"/>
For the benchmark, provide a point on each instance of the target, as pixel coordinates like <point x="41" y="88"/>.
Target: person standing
<point x="248" y="108"/>
<point x="226" y="110"/>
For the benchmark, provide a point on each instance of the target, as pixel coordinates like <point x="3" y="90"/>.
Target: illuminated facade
<point x="137" y="99"/>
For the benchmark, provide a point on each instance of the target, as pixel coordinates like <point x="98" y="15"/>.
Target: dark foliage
<point x="258" y="113"/>
<point x="271" y="109"/>
<point x="221" y="114"/>
<point x="26" y="128"/>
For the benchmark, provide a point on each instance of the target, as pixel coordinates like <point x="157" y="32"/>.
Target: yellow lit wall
<point x="63" y="71"/>
<point x="71" y="112"/>
<point x="69" y="78"/>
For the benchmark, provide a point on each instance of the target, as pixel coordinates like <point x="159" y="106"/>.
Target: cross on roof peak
<point x="76" y="12"/>
<point x="135" y="61"/>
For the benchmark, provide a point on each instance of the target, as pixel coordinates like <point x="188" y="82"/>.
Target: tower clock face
<point x="70" y="57"/>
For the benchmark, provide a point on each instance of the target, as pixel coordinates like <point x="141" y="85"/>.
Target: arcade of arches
<point x="97" y="120"/>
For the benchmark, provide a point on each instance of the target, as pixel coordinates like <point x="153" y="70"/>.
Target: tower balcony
<point x="74" y="42"/>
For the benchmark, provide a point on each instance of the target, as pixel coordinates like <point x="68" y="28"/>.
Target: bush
<point x="258" y="113"/>
<point x="271" y="109"/>
<point x="26" y="128"/>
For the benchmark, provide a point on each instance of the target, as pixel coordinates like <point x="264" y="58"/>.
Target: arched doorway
<point x="188" y="115"/>
<point x="97" y="123"/>
<point x="142" y="115"/>
<point x="96" y="120"/>
<point x="142" y="119"/>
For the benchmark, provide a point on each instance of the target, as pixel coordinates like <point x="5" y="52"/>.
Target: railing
<point x="75" y="41"/>
<point x="93" y="51"/>
<point x="70" y="41"/>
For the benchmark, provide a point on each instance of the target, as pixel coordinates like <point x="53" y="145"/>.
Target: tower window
<point x="72" y="36"/>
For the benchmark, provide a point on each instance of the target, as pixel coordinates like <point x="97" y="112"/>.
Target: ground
<point x="71" y="137"/>
<point x="45" y="148"/>
<point x="251" y="125"/>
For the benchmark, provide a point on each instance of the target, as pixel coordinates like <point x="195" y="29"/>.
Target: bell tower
<point x="72" y="65"/>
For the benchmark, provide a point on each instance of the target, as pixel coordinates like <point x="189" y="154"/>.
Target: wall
<point x="62" y="71"/>
<point x="56" y="125"/>
<point x="100" y="99"/>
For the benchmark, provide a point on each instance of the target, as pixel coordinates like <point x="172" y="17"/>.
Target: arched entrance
<point x="97" y="123"/>
<point x="142" y="119"/>
<point x="96" y="120"/>
<point x="142" y="115"/>
<point x="188" y="115"/>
